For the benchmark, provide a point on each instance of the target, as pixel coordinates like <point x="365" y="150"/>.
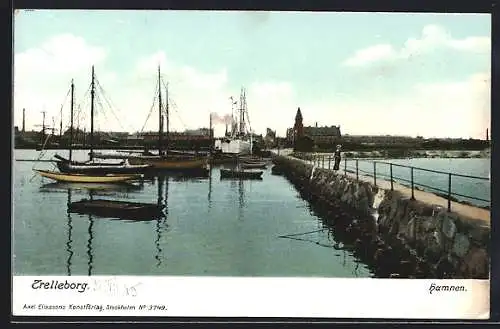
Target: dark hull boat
<point x="253" y="165"/>
<point x="66" y="166"/>
<point x="240" y="174"/>
<point x="277" y="170"/>
<point x="117" y="209"/>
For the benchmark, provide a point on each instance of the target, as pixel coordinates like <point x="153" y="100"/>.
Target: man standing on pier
<point x="337" y="158"/>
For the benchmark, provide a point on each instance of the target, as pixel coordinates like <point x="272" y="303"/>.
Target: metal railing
<point x="327" y="162"/>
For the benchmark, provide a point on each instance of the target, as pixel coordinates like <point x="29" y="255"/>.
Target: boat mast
<point x="242" y="114"/>
<point x="60" y="125"/>
<point x="43" y="127"/>
<point x="160" y="117"/>
<point x="92" y="92"/>
<point x="71" y="124"/>
<point x="167" y="117"/>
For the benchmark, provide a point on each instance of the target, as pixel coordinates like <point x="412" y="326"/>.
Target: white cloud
<point x="432" y="37"/>
<point x="445" y="109"/>
<point x="41" y="82"/>
<point x="43" y="74"/>
<point x="372" y="54"/>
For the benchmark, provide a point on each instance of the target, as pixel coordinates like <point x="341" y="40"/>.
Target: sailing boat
<point x="79" y="177"/>
<point x="164" y="160"/>
<point x="92" y="167"/>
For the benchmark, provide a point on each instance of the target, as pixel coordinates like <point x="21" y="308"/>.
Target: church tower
<point x="298" y="128"/>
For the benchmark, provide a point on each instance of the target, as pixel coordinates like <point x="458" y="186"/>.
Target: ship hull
<point x="82" y="178"/>
<point x="233" y="146"/>
<point x="170" y="163"/>
<point x="97" y="169"/>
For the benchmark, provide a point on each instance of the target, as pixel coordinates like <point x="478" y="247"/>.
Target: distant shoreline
<point x="447" y="154"/>
<point x="384" y="154"/>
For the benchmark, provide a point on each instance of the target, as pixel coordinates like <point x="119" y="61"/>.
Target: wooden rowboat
<point x="117" y="209"/>
<point x="240" y="174"/>
<point x="81" y="178"/>
<point x="256" y="165"/>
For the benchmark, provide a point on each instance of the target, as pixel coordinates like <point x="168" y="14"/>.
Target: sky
<point x="369" y="73"/>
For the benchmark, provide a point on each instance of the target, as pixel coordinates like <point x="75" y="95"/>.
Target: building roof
<point x="322" y="131"/>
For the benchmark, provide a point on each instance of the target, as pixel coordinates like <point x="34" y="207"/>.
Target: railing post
<point x="412" y="185"/>
<point x="449" y="192"/>
<point x="345" y="167"/>
<point x="392" y="185"/>
<point x="323" y="161"/>
<point x="375" y="173"/>
<point x="329" y="162"/>
<point x="357" y="170"/>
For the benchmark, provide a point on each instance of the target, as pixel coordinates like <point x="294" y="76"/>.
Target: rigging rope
<point x="62" y="106"/>
<point x="102" y="107"/>
<point x="174" y="106"/>
<point x="42" y="153"/>
<point x="151" y="110"/>
<point x="80" y="114"/>
<point x="110" y="103"/>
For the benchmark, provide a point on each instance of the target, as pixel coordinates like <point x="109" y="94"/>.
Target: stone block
<point x="480" y="235"/>
<point x="461" y="245"/>
<point x="429" y="224"/>
<point x="410" y="234"/>
<point x="448" y="227"/>
<point x="476" y="264"/>
<point x="434" y="242"/>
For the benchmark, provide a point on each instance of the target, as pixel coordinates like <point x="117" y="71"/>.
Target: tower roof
<point x="298" y="116"/>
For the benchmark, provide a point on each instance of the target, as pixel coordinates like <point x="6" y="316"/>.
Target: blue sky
<point x="370" y="73"/>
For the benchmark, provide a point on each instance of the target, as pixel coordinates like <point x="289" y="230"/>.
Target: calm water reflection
<point x="209" y="226"/>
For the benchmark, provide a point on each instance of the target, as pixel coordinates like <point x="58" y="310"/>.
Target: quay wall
<point x="395" y="235"/>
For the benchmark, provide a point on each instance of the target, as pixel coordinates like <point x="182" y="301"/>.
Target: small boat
<point x="174" y="160"/>
<point x="251" y="159"/>
<point x="170" y="162"/>
<point x="124" y="167"/>
<point x="117" y="209"/>
<point x="118" y="187"/>
<point x="92" y="167"/>
<point x="82" y="178"/>
<point x="256" y="165"/>
<point x="240" y="174"/>
<point x="120" y="154"/>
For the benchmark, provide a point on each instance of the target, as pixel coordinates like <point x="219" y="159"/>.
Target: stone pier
<point x="396" y="235"/>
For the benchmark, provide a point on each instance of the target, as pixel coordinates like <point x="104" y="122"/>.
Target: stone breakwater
<point x="394" y="235"/>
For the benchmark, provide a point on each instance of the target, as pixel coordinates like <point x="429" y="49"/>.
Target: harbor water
<point x="462" y="188"/>
<point x="212" y="227"/>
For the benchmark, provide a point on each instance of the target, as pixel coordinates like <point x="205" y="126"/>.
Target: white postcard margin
<point x="250" y="297"/>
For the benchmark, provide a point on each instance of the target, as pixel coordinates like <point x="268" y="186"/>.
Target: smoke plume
<point x="221" y="119"/>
